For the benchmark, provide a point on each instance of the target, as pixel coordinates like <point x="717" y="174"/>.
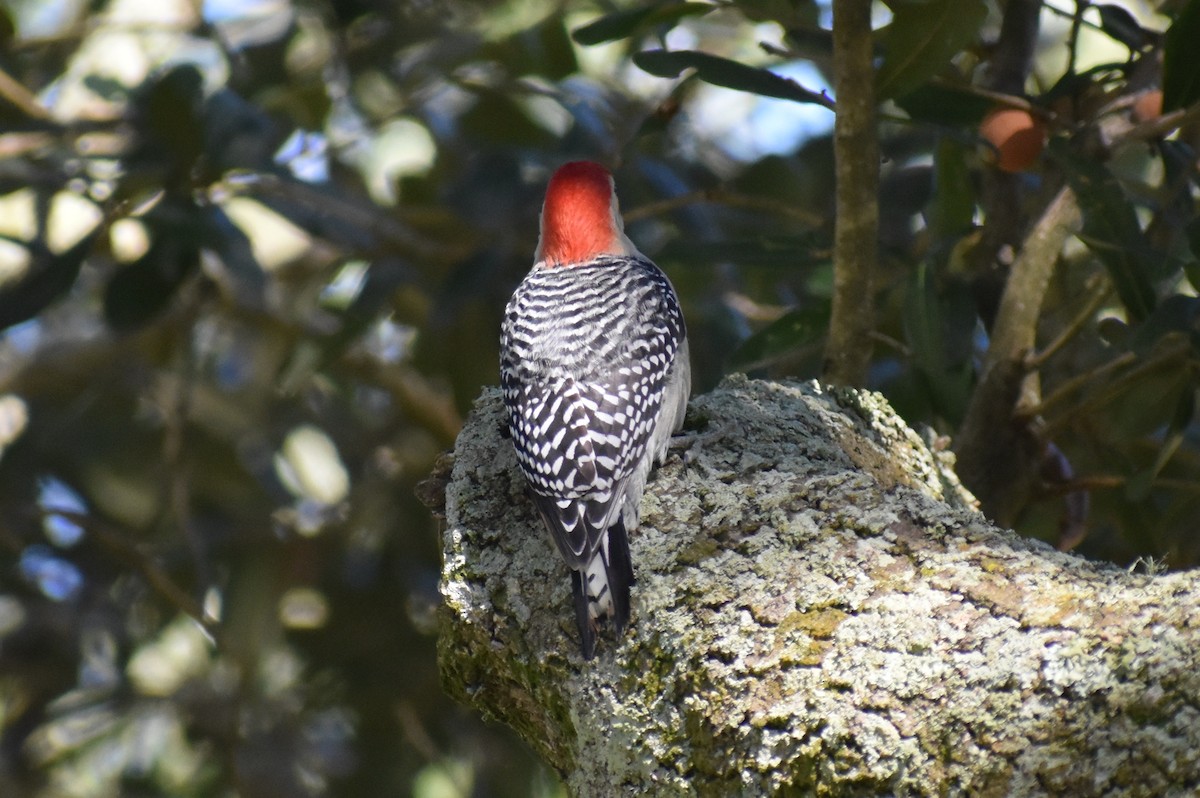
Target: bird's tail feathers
<point x="587" y="629"/>
<point x="619" y="571"/>
<point x="602" y="588"/>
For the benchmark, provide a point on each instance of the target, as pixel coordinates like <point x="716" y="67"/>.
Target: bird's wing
<point x="577" y="443"/>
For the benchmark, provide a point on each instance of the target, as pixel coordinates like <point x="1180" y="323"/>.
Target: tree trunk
<point x="818" y="610"/>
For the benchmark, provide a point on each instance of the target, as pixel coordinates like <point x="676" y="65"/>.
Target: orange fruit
<point x="1017" y="136"/>
<point x="1148" y="105"/>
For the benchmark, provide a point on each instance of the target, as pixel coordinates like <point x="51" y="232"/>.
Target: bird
<point x="595" y="377"/>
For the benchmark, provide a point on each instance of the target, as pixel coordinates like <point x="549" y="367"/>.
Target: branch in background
<point x="15" y="93"/>
<point x="997" y="453"/>
<point x="1013" y="335"/>
<point x="856" y="153"/>
<point x="728" y="199"/>
<point x="1069" y="387"/>
<point x="1000" y="195"/>
<point x="1013" y="56"/>
<point x="1073" y="38"/>
<point x="1101" y="291"/>
<point x="151" y="572"/>
<point x="1172" y="353"/>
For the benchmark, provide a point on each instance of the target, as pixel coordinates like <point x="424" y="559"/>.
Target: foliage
<point x="251" y="271"/>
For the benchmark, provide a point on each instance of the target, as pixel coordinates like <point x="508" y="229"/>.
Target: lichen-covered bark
<point x="818" y="610"/>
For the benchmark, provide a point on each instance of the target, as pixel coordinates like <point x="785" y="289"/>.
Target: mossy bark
<point x="819" y="610"/>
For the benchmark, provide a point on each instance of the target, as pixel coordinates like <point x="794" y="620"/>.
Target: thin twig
<point x="1073" y="39"/>
<point x="1036" y="360"/>
<point x="1161" y="359"/>
<point x="15" y="92"/>
<point x="177" y="485"/>
<point x="1071" y="15"/>
<point x="729" y="199"/>
<point x="1079" y="380"/>
<point x="997" y="97"/>
<point x="1112" y="481"/>
<point x="151" y="572"/>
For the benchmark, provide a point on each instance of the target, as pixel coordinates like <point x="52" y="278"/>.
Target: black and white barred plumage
<point x="595" y="376"/>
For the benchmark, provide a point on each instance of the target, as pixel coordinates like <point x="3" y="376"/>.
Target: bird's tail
<point x="603" y="588"/>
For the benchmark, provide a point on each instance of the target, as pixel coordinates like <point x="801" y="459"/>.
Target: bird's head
<point x="580" y="218"/>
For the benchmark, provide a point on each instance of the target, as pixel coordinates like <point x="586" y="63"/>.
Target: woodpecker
<point x="595" y="376"/>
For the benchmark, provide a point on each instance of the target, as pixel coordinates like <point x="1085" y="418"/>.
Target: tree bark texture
<point x="819" y="610"/>
<point x="856" y="227"/>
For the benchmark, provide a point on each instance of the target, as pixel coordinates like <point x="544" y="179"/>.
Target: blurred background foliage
<point x="253" y="255"/>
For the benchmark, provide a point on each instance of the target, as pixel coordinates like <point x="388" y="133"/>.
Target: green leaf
<point x="1110" y="229"/>
<point x="543" y="49"/>
<point x="624" y="24"/>
<point x="781" y="251"/>
<point x="49" y="277"/>
<point x="240" y="272"/>
<point x="143" y="289"/>
<point x="109" y="88"/>
<point x="497" y="119"/>
<point x="923" y="321"/>
<point x="169" y="106"/>
<point x="1138" y="487"/>
<point x="1192" y="229"/>
<point x="1178" y="314"/>
<point x="1181" y="68"/>
<point x="922" y="38"/>
<point x="944" y="105"/>
<point x="953" y="204"/>
<point x="1113" y="331"/>
<point x="1191" y="270"/>
<point x="8" y="30"/>
<point x="730" y="74"/>
<point x="1122" y="26"/>
<point x="937" y="325"/>
<point x="782" y="337"/>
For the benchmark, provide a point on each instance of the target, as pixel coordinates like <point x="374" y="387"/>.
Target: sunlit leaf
<point x="1191" y="270"/>
<point x="922" y="38"/>
<point x="724" y="72"/>
<point x="1181" y="68"/>
<point x="624" y="24"/>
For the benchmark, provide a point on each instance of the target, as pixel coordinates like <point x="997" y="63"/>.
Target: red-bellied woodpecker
<point x="595" y="375"/>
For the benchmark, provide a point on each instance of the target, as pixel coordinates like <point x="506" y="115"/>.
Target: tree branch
<point x="818" y="610"/>
<point x="856" y="153"/>
<point x="997" y="452"/>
